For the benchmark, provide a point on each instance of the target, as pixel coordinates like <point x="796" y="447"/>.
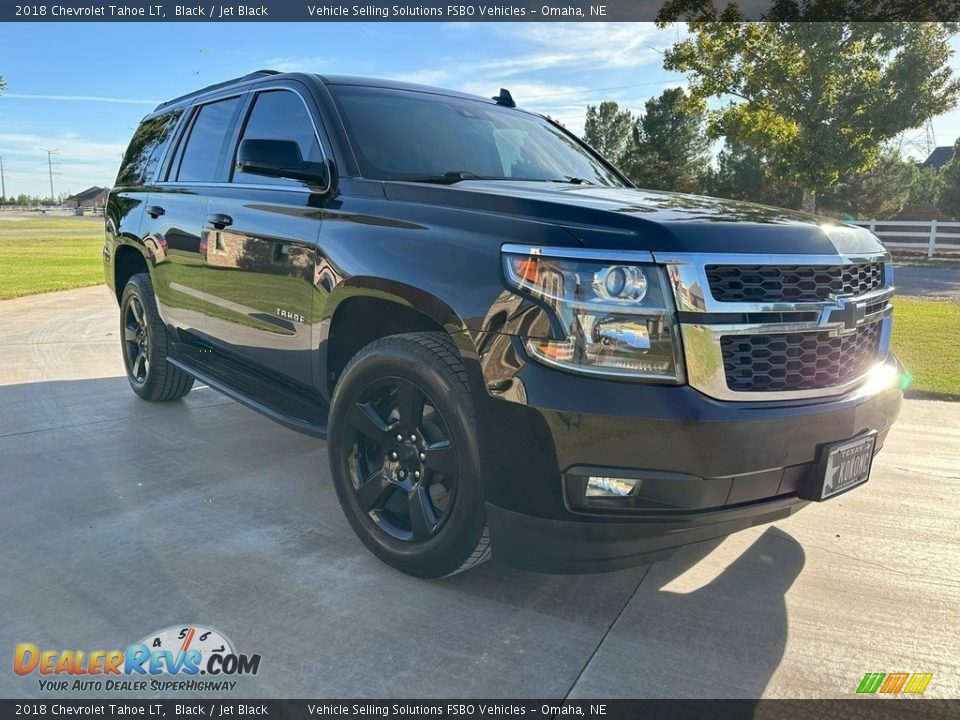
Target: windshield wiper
<point x="573" y="180"/>
<point x="449" y="178"/>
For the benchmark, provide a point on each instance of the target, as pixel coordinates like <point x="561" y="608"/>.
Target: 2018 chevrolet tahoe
<point x="508" y="347"/>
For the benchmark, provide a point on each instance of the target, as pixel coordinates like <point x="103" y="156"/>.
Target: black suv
<point x="507" y="345"/>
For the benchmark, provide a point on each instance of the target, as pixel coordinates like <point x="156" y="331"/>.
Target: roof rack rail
<point x="249" y="76"/>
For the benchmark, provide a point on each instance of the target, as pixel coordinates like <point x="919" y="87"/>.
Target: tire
<point x="145" y="345"/>
<point x="430" y="524"/>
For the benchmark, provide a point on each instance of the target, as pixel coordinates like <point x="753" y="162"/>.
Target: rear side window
<point x="280" y="115"/>
<point x="201" y="155"/>
<point x="146" y="147"/>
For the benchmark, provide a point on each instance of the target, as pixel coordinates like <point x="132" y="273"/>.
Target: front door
<point x="260" y="235"/>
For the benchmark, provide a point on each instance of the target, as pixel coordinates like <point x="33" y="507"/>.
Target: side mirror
<point x="281" y="159"/>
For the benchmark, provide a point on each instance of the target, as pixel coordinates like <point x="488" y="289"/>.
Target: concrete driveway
<point x="119" y="518"/>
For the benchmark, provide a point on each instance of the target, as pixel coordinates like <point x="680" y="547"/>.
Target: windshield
<point x="409" y="135"/>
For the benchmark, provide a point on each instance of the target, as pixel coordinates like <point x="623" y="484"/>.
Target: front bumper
<point x="710" y="467"/>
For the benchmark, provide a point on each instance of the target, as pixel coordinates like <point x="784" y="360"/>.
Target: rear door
<point x="260" y="235"/>
<point x="177" y="206"/>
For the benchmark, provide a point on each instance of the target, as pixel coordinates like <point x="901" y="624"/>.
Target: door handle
<point x="155" y="211"/>
<point x="219" y="220"/>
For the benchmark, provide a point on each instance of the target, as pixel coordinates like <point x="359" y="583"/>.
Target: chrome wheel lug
<point x="393" y="455"/>
<point x="401" y="474"/>
<point x="399" y="438"/>
<point x="416" y="474"/>
<point x="413" y="438"/>
<point x="423" y="456"/>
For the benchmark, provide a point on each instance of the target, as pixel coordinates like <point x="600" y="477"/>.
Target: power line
<point x="50" y="154"/>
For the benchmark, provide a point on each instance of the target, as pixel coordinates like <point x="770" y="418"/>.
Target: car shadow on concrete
<point x="711" y="622"/>
<point x="225" y="518"/>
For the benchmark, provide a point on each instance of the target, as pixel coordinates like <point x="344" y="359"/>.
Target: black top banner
<point x="472" y="11"/>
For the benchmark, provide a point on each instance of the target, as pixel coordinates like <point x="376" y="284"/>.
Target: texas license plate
<point x="848" y="465"/>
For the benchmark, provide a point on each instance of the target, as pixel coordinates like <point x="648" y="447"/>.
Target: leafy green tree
<point x="880" y="191"/>
<point x="948" y="199"/>
<point x="741" y="173"/>
<point x="925" y="188"/>
<point x="3" y="83"/>
<point x="607" y="130"/>
<point x="669" y="149"/>
<point x="817" y="99"/>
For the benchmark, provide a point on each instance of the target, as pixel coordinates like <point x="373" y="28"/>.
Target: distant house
<point x="938" y="158"/>
<point x="91" y="197"/>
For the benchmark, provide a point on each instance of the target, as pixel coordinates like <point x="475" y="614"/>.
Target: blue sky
<point x="81" y="88"/>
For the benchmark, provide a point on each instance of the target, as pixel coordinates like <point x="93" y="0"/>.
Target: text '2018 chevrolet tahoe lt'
<point x="509" y="348"/>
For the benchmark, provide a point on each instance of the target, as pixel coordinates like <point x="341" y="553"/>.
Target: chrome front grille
<point x="792" y="283"/>
<point x="781" y="327"/>
<point x="798" y="361"/>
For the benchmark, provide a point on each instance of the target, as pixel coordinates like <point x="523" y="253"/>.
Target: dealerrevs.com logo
<point x="173" y="659"/>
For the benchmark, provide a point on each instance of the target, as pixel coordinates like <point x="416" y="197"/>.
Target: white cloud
<point x="81" y="98"/>
<point x="292" y="63"/>
<point x="78" y="163"/>
<point x="601" y="45"/>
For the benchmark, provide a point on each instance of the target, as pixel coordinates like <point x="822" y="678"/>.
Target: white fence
<point x="929" y="235"/>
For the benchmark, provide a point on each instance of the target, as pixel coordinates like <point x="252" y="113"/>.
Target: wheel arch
<point x="363" y="310"/>
<point x="128" y="260"/>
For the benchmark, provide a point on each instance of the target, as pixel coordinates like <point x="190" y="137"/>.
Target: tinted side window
<point x="202" y="152"/>
<point x="280" y="115"/>
<point x="146" y="147"/>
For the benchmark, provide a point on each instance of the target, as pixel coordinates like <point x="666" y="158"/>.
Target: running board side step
<point x="281" y="404"/>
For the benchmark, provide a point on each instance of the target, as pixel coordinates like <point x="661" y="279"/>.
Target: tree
<point x="818" y="99"/>
<point x="948" y="199"/>
<point x="741" y="173"/>
<point x="607" y="130"/>
<point x="877" y="192"/>
<point x="925" y="189"/>
<point x="3" y="83"/>
<point x="669" y="146"/>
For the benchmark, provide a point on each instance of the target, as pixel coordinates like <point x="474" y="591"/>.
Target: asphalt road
<point x="119" y="518"/>
<point x="931" y="282"/>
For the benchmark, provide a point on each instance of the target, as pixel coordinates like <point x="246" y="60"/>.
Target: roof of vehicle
<point x="396" y="85"/>
<point x="326" y="79"/>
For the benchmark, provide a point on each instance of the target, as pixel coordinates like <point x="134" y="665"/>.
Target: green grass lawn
<point x="926" y="338"/>
<point x="40" y="254"/>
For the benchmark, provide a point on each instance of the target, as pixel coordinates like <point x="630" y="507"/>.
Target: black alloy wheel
<point x="404" y="455"/>
<point x="136" y="339"/>
<point x="403" y="461"/>
<point x="146" y="346"/>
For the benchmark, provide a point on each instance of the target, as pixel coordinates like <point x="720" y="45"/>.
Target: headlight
<point x="617" y="317"/>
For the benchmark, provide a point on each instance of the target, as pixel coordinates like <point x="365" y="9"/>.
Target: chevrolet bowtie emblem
<point x="847" y="311"/>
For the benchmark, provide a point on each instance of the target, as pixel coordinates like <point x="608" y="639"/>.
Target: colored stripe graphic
<point x="894" y="682"/>
<point x="870" y="682"/>
<point x="914" y="683"/>
<point x="918" y="682"/>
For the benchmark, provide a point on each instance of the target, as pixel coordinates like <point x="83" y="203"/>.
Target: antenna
<point x="504" y="98"/>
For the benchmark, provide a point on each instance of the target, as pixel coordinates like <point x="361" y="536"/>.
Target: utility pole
<point x="50" y="154"/>
<point x="3" y="181"/>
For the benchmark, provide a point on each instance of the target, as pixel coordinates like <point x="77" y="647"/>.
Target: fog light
<point x="610" y="486"/>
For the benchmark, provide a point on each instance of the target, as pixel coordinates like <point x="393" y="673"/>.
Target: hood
<point x="634" y="219"/>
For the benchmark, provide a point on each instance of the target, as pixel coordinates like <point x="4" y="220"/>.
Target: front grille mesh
<point x="792" y="283"/>
<point x="798" y="361"/>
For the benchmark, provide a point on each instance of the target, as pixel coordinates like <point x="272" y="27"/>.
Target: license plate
<point x="848" y="465"/>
